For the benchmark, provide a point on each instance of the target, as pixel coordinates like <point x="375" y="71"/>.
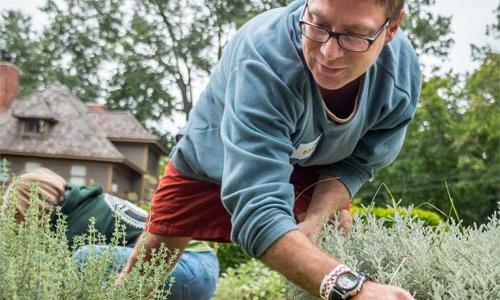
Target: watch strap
<point x="329" y="280"/>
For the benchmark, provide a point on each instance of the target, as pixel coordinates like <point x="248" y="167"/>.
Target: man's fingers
<point x="345" y="220"/>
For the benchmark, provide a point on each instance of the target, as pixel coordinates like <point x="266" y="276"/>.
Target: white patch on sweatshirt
<point x="305" y="150"/>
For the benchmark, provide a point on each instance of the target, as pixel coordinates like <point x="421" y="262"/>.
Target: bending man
<point x="315" y="92"/>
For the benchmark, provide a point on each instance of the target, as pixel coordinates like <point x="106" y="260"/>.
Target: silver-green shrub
<point x="36" y="263"/>
<point x="442" y="262"/>
<point x="250" y="281"/>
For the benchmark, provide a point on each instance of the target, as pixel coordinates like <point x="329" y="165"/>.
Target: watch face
<point x="347" y="281"/>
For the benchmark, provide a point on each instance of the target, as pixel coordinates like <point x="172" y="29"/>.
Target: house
<point x="84" y="143"/>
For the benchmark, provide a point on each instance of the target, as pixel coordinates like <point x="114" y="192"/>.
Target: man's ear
<point x="393" y="28"/>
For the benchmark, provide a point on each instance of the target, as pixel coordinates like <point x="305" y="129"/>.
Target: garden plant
<point x="402" y="246"/>
<point x="446" y="261"/>
<point x="412" y="248"/>
<point x="38" y="264"/>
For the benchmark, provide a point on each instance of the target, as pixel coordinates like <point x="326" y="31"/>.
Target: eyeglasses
<point x="350" y="42"/>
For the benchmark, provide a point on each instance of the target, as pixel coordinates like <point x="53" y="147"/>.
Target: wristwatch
<point x="347" y="285"/>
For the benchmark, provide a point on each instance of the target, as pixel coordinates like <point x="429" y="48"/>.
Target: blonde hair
<point x="50" y="188"/>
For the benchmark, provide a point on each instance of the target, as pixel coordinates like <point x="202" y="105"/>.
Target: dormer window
<point x="35" y="127"/>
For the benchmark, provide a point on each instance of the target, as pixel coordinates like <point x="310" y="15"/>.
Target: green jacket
<point x="81" y="203"/>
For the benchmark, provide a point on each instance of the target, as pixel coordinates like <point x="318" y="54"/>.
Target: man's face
<point x="331" y="66"/>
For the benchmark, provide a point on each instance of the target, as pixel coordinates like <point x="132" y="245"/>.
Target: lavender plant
<point x="442" y="262"/>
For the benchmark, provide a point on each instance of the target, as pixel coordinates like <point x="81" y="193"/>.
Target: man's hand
<point x="345" y="220"/>
<point x="377" y="291"/>
<point x="119" y="280"/>
<point x="312" y="227"/>
<point x="330" y="198"/>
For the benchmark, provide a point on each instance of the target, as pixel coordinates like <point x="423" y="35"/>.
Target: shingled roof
<point x="78" y="132"/>
<point x="120" y="125"/>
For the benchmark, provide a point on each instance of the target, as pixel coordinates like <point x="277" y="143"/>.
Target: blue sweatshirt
<point x="262" y="113"/>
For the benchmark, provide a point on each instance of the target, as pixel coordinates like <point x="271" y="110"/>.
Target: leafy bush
<point x="36" y="263"/>
<point x="250" y="281"/>
<point x="230" y="255"/>
<point x="430" y="218"/>
<point x="246" y="278"/>
<point x="442" y="262"/>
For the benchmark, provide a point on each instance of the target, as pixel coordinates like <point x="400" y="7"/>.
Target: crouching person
<point x="318" y="93"/>
<point x="197" y="269"/>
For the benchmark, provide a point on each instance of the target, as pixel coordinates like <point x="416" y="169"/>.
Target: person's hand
<point x="377" y="291"/>
<point x="312" y="227"/>
<point x="345" y="220"/>
<point x="120" y="278"/>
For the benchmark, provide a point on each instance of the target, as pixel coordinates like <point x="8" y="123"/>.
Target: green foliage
<point x="83" y="33"/>
<point x="428" y="217"/>
<point x="250" y="281"/>
<point x="19" y="38"/>
<point x="432" y="262"/>
<point x="428" y="33"/>
<point x="452" y="147"/>
<point x="148" y="56"/>
<point x="409" y="253"/>
<point x="145" y="205"/>
<point x="37" y="263"/>
<point x="230" y="255"/>
<point x="5" y="167"/>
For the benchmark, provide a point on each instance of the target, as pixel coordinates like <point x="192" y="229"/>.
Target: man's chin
<point x="331" y="85"/>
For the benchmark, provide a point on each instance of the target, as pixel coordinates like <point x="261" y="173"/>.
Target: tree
<point x="453" y="145"/>
<point x="478" y="142"/>
<point x="429" y="33"/>
<point x="427" y="159"/>
<point x="81" y="38"/>
<point x="143" y="56"/>
<point x="18" y="37"/>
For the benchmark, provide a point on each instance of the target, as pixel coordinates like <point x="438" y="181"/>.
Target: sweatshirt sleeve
<point x="376" y="149"/>
<point x="257" y="123"/>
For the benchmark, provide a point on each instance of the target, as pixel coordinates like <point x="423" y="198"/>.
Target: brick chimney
<point x="9" y="80"/>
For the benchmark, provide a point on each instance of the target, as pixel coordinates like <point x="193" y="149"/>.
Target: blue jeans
<point x="195" y="274"/>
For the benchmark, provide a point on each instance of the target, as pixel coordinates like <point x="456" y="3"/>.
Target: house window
<point x="31" y="166"/>
<point x="34" y="127"/>
<point x="78" y="174"/>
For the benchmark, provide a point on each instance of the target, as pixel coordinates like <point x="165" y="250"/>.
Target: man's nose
<point x="331" y="49"/>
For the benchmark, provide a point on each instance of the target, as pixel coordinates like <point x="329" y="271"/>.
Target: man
<point x="317" y="93"/>
<point x="197" y="271"/>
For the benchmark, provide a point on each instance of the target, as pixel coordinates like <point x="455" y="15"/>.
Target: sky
<point x="469" y="20"/>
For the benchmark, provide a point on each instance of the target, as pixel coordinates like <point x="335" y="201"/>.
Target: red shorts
<point x="193" y="208"/>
